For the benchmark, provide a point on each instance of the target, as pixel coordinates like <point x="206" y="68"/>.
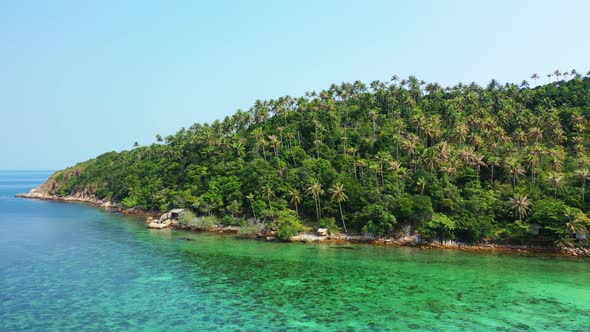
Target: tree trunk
<point x="317" y="210"/>
<point x="342" y="218"/>
<point x="583" y="190"/>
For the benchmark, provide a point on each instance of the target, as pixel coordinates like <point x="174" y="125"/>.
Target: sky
<point x="80" y="78"/>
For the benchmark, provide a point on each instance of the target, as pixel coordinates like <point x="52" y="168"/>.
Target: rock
<point x="158" y="225"/>
<point x="322" y="231"/>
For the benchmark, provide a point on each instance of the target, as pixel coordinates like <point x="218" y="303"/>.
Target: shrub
<point x="413" y="209"/>
<point x="251" y="229"/>
<point x="129" y="202"/>
<point x="440" y="227"/>
<point x="287" y="224"/>
<point x="205" y="222"/>
<point x="378" y="220"/>
<point x="186" y="218"/>
<point x="329" y="223"/>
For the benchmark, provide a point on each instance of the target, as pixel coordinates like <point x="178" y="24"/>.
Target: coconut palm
<point x="556" y="73"/>
<point x="493" y="162"/>
<point x="274" y="142"/>
<point x="515" y="171"/>
<point x="315" y="190"/>
<point x="521" y="206"/>
<point x="421" y="183"/>
<point x="373" y="115"/>
<point x="295" y="199"/>
<point x="339" y="196"/>
<point x="535" y="77"/>
<point x="250" y="198"/>
<point x="556" y="181"/>
<point x="583" y="174"/>
<point x="575" y="223"/>
<point x="269" y="192"/>
<point x="381" y="158"/>
<point x="361" y="164"/>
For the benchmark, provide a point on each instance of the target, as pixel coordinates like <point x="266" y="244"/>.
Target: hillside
<point x="502" y="162"/>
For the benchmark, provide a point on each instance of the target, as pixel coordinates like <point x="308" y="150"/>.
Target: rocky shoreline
<point x="38" y="193"/>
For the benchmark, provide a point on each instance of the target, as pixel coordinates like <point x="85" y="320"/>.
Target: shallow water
<point x="67" y="266"/>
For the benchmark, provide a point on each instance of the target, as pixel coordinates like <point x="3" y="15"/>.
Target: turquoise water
<point x="71" y="267"/>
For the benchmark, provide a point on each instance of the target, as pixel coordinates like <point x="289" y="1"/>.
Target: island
<point x="400" y="161"/>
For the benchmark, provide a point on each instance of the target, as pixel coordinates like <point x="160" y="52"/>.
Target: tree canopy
<point x="465" y="162"/>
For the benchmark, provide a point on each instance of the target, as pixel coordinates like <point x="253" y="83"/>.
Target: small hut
<point x="535" y="228"/>
<point x="322" y="232"/>
<point x="581" y="235"/>
<point x="175" y="213"/>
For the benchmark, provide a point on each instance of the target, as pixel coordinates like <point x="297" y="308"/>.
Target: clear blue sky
<point x="79" y="78"/>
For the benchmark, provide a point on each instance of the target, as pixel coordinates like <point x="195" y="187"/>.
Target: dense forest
<point x="505" y="162"/>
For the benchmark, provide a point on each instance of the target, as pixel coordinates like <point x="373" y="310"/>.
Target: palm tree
<point x="315" y="190"/>
<point x="460" y="132"/>
<point x="535" y="77"/>
<point x="521" y="205"/>
<point x="583" y="174"/>
<point x="515" y="171"/>
<point x="295" y="199"/>
<point x="361" y="164"/>
<point x="339" y="196"/>
<point x="373" y="114"/>
<point x="250" y="198"/>
<point x="274" y="142"/>
<point x="493" y="161"/>
<point x="421" y="183"/>
<point x="556" y="73"/>
<point x="556" y="181"/>
<point x="575" y="225"/>
<point x="269" y="193"/>
<point x="477" y="161"/>
<point x="382" y="157"/>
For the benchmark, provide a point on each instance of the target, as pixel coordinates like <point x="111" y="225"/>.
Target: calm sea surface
<point x="72" y="267"/>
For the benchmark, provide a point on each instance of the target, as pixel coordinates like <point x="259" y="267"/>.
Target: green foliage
<point x="250" y="230"/>
<point x="440" y="227"/>
<point x="329" y="223"/>
<point x="551" y="214"/>
<point x="186" y="218"/>
<point x="205" y="222"/>
<point x="189" y="219"/>
<point x="287" y="225"/>
<point x="517" y="231"/>
<point x="413" y="209"/>
<point x="402" y="153"/>
<point x="377" y="219"/>
<point x="129" y="202"/>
